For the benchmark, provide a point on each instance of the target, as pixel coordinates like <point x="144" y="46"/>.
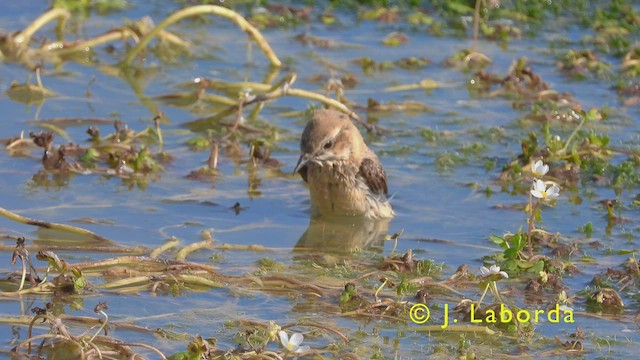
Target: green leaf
<point x="511" y="254"/>
<point x="498" y="241"/>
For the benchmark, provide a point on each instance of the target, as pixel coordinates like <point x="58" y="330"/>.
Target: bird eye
<point x="328" y="144"/>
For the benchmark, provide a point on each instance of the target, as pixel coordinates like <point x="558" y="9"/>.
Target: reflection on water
<point x="342" y="235"/>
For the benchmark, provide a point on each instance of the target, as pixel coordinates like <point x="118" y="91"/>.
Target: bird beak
<point x="302" y="161"/>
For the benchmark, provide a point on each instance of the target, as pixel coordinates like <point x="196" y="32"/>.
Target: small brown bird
<point x="345" y="177"/>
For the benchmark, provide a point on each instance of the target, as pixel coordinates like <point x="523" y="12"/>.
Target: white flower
<point x="493" y="270"/>
<point x="541" y="192"/>
<point x="539" y="168"/>
<point x="564" y="308"/>
<point x="293" y="344"/>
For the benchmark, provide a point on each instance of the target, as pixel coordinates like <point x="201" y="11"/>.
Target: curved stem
<point x="24" y="275"/>
<point x="164" y="247"/>
<point x="207" y="9"/>
<point x="25" y="35"/>
<point x="573" y="134"/>
<point x="106" y="320"/>
<point x="118" y="34"/>
<point x="185" y="251"/>
<point x="484" y="293"/>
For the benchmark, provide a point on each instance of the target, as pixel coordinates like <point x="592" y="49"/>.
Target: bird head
<point x="329" y="137"/>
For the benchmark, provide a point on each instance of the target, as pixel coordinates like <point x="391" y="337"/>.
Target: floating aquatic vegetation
<point x="579" y="64"/>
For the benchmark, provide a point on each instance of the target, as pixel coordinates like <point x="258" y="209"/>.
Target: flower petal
<point x="484" y="271"/>
<point x="296" y="339"/>
<point x="302" y="349"/>
<point x="537" y="194"/>
<point x="539" y="185"/>
<point x="494" y="269"/>
<point x="504" y="274"/>
<point x="536" y="165"/>
<point x="539" y="168"/>
<point x="284" y="338"/>
<point x="554" y="191"/>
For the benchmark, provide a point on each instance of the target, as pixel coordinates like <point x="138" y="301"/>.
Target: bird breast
<point x="335" y="188"/>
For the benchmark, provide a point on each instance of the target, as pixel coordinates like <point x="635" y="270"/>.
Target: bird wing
<point x="375" y="177"/>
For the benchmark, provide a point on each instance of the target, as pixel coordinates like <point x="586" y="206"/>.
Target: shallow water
<point x="432" y="204"/>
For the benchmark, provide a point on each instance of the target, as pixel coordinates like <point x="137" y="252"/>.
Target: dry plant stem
<point x="103" y="324"/>
<point x="24" y="274"/>
<point x="298" y="93"/>
<point x="201" y="10"/>
<point x="198" y="280"/>
<point x="117" y="34"/>
<point x="43" y="288"/>
<point x="326" y="328"/>
<point x="141" y="283"/>
<point x="139" y="250"/>
<point x="60" y="49"/>
<point x="267" y="355"/>
<point x="166" y="246"/>
<point x="44" y="336"/>
<point x="297" y="284"/>
<point x="476" y="20"/>
<point x="456" y="328"/>
<point x="484" y="293"/>
<point x="271" y="92"/>
<point x="137" y="261"/>
<point x="212" y="161"/>
<point x="25" y="35"/>
<point x="237" y="247"/>
<point x="111" y="342"/>
<point x="95" y="348"/>
<point x="85" y="320"/>
<point x="531" y="223"/>
<point x="447" y="287"/>
<point x="496" y="292"/>
<point x="205" y="244"/>
<point x="54" y="226"/>
<point x="30" y="329"/>
<point x="426" y="84"/>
